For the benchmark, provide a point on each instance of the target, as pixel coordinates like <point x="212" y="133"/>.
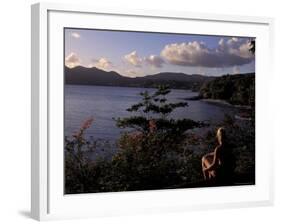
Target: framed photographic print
<point x="147" y="111"/>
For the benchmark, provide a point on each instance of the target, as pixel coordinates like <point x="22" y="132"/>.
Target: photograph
<point x="157" y="111"/>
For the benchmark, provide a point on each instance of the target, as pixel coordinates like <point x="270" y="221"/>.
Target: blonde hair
<point x="221" y="135"/>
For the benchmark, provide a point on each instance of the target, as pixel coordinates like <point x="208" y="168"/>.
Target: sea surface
<point x="104" y="103"/>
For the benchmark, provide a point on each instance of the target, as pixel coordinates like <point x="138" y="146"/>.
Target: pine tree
<point x="155" y="109"/>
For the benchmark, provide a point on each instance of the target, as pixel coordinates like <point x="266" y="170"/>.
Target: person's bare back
<point x="211" y="161"/>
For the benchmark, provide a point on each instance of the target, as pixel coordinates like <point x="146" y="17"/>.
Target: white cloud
<point x="102" y="63"/>
<point x="131" y="73"/>
<point x="233" y="52"/>
<point x="133" y="59"/>
<point x="75" y="35"/>
<point x="235" y="46"/>
<point x="201" y="71"/>
<point x="72" y="60"/>
<point x="236" y="70"/>
<point x="154" y="61"/>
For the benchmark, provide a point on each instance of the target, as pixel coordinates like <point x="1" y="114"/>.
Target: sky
<point x="136" y="54"/>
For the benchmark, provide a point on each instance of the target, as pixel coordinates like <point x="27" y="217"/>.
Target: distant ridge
<point x="93" y="76"/>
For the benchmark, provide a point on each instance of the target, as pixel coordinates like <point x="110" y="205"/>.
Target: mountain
<point x="175" y="80"/>
<point x="93" y="76"/>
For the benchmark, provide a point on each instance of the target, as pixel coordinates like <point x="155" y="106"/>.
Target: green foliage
<point x="241" y="139"/>
<point x="151" y="156"/>
<point x="235" y="89"/>
<point x="168" y="126"/>
<point x="156" y="103"/>
<point x="144" y="162"/>
<point x="156" y="108"/>
<point x="82" y="175"/>
<point x="141" y="163"/>
<point x="253" y="46"/>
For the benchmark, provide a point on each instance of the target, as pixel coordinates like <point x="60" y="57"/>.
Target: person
<point x="214" y="161"/>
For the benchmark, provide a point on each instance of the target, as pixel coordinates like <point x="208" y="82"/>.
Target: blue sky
<point x="140" y="53"/>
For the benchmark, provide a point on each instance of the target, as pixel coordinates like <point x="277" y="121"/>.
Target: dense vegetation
<point x="155" y="151"/>
<point x="235" y="89"/>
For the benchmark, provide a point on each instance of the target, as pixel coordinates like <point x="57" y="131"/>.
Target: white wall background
<point x="15" y="110"/>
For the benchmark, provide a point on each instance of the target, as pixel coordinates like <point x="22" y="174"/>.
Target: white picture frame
<point x="48" y="201"/>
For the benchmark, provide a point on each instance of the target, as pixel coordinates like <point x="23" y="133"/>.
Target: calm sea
<point x="104" y="103"/>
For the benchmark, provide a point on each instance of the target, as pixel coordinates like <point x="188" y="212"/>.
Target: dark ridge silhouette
<point x="236" y="89"/>
<point x="93" y="76"/>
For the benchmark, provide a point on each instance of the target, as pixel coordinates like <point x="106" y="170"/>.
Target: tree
<point x="153" y="114"/>
<point x="153" y="153"/>
<point x="253" y="46"/>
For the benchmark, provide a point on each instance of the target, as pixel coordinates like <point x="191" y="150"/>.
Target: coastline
<point x="225" y="103"/>
<point x="218" y="102"/>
